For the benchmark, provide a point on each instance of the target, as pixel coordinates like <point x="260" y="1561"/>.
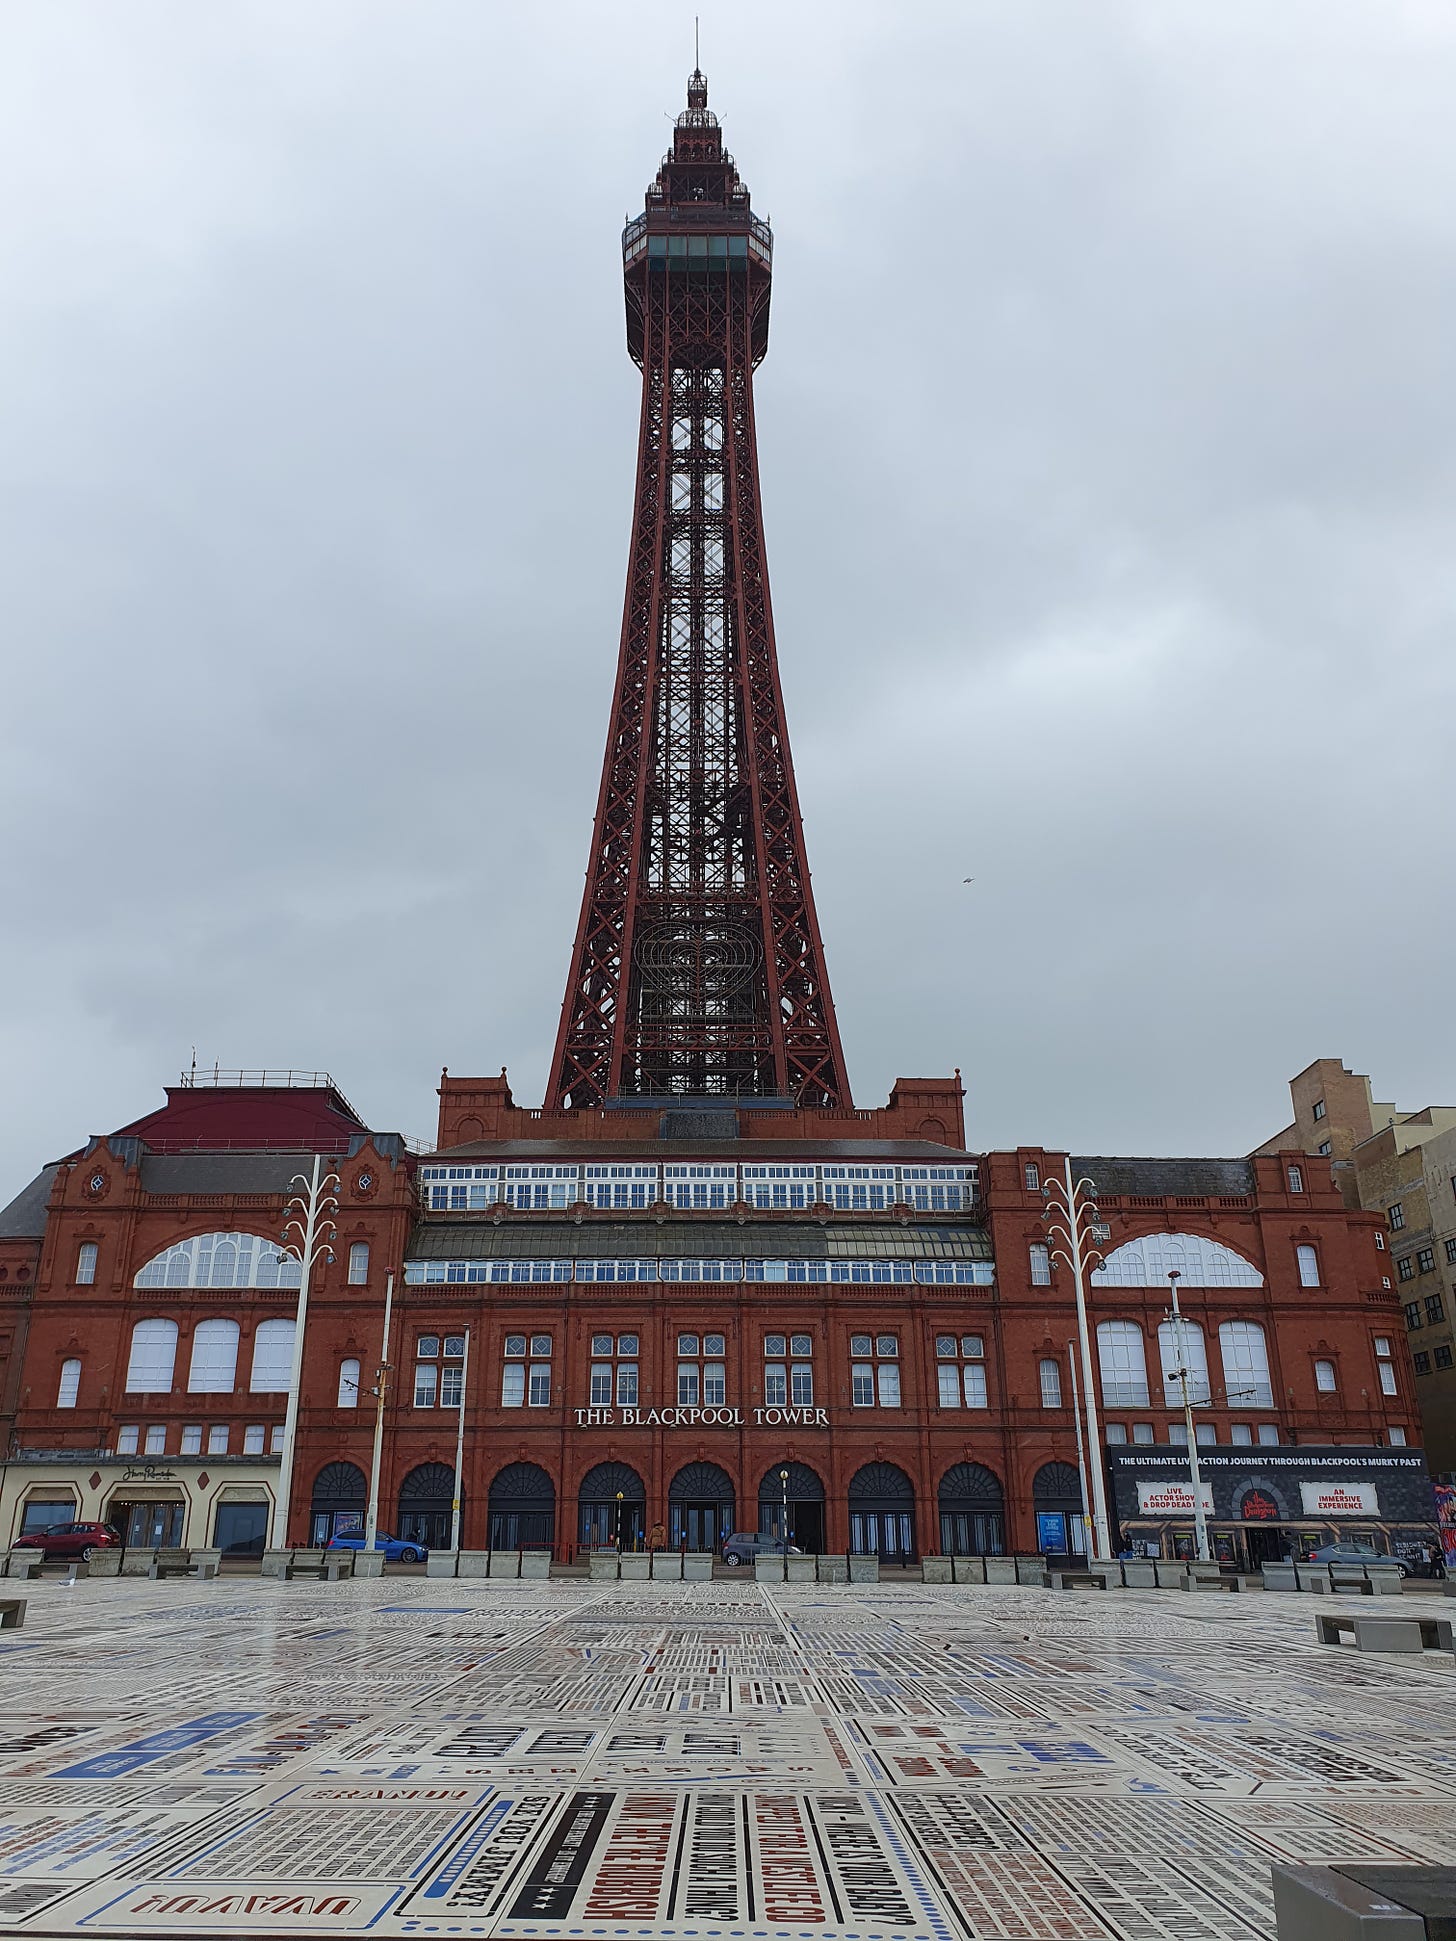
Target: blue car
<point x="396" y="1549"/>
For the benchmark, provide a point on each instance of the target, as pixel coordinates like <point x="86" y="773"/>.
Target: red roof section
<point x="248" y="1117"/>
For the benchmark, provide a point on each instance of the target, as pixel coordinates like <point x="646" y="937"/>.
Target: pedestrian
<point x="657" y="1537"/>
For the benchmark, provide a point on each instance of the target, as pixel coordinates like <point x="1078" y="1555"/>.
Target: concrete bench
<point x="667" y="1566"/>
<point x="605" y="1566"/>
<point x="697" y="1566"/>
<point x="138" y="1563"/>
<point x="504" y="1563"/>
<point x="1139" y="1573"/>
<point x="25" y="1564"/>
<point x="831" y="1570"/>
<point x="171" y="1563"/>
<point x="1363" y="1898"/>
<point x="443" y="1563"/>
<point x="636" y="1566"/>
<point x="935" y="1570"/>
<point x="12" y="1613"/>
<point x="1000" y="1570"/>
<point x="537" y="1563"/>
<point x="1279" y="1577"/>
<point x="864" y="1570"/>
<point x="968" y="1570"/>
<point x="1406" y="1634"/>
<point x="104" y="1563"/>
<point x="1384" y="1580"/>
<point x="1077" y="1580"/>
<point x="1313" y="1577"/>
<point x="368" y="1563"/>
<point x="1031" y="1570"/>
<point x="206" y="1564"/>
<point x="330" y="1566"/>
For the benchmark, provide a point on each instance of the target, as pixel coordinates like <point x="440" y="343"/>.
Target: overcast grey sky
<point x="1107" y="439"/>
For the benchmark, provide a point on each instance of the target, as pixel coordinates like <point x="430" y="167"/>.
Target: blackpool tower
<point x="698" y="970"/>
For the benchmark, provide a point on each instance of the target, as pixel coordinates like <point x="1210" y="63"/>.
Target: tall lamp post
<point x="621" y="1498"/>
<point x="784" y="1488"/>
<point x="1071" y="1213"/>
<point x="381" y="1391"/>
<point x="1180" y="1374"/>
<point x="308" y="1231"/>
<point x="460" y="1449"/>
<point x="1081" y="1447"/>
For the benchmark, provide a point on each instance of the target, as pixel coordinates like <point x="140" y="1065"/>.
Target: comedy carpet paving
<point x="719" y="1762"/>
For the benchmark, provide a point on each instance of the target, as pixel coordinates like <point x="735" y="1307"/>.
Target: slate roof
<point x="25" y="1217"/>
<point x="704" y="1238"/>
<point x="223" y="1172"/>
<point x="1168" y="1178"/>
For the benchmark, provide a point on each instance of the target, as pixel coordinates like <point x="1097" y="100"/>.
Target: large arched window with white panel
<point x="272" y="1358"/>
<point x="153" y="1357"/>
<point x="70" y="1384"/>
<point x="221" y="1260"/>
<point x="1194" y="1358"/>
<point x="1245" y="1365"/>
<point x="1123" y="1365"/>
<point x="1197" y="1261"/>
<point x="214" y="1368"/>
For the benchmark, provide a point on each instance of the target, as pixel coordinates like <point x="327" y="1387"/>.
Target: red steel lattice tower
<point x="698" y="969"/>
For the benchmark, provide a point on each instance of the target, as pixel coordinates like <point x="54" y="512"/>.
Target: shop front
<point x="1263" y="1505"/>
<point x="222" y="1501"/>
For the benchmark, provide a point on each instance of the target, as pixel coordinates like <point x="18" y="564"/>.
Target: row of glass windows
<point x="258" y="1439"/>
<point x="704" y="1187"/>
<point x="927" y="1273"/>
<point x="212" y="1366"/>
<point x="1242" y="1349"/>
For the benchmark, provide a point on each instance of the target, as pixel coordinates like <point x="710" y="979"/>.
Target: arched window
<point x="1147" y="1262"/>
<point x="1324" y="1377"/>
<point x="214" y="1369"/>
<point x="1308" y="1266"/>
<point x="348" y="1384"/>
<point x="221" y="1260"/>
<point x="1195" y="1360"/>
<point x="86" y="1263"/>
<point x="1124" y="1369"/>
<point x="70" y="1386"/>
<point x="359" y="1263"/>
<point x="1051" y="1383"/>
<point x="272" y="1357"/>
<point x="153" y="1357"/>
<point x="1245" y="1365"/>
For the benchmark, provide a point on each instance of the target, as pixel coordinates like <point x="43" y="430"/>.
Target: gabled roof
<point x="25" y="1217"/>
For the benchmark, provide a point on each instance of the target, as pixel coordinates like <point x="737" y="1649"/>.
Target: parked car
<point x="396" y="1549"/>
<point x="1356" y="1553"/>
<point x="70" y="1539"/>
<point x="744" y="1545"/>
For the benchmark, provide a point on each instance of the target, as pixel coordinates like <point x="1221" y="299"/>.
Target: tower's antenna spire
<point x="697" y="57"/>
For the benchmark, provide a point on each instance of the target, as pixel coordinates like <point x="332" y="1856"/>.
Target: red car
<point x="70" y="1539"/>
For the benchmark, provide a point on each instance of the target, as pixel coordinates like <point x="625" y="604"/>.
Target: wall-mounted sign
<point x="1258" y="1506"/>
<point x="1171" y="1499"/>
<point x="1340" y="1499"/>
<point x="691" y="1418"/>
<point x="138" y="1472"/>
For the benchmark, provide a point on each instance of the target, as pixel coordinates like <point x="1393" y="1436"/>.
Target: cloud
<point x="1106" y="439"/>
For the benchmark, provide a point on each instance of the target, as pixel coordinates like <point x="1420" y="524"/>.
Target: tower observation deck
<point x="698" y="969"/>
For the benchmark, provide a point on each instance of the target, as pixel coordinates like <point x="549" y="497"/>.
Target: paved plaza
<point x="874" y="1763"/>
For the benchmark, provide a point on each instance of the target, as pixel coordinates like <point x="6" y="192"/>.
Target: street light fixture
<point x="784" y="1487"/>
<point x="309" y="1221"/>
<point x="460" y="1450"/>
<point x="1180" y="1375"/>
<point x="1070" y="1222"/>
<point x="381" y="1390"/>
<point x="621" y="1498"/>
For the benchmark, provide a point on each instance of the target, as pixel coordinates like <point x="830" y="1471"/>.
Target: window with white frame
<point x="1032" y="1175"/>
<point x="86" y="1263"/>
<point x="1396" y="1217"/>
<point x="221" y="1260"/>
<point x="625" y="1187"/>
<point x="960" y="1370"/>
<point x="348" y="1397"/>
<point x="275" y="1439"/>
<point x="614" y="1370"/>
<point x="701" y="1382"/>
<point x="1114" y="1432"/>
<point x="128" y="1439"/>
<point x="1122" y="1365"/>
<point x="1245" y="1365"/>
<point x="214" y="1367"/>
<point x="156" y="1443"/>
<point x="1142" y="1432"/>
<point x="427" y="1384"/>
<point x="861" y="1189"/>
<point x="217" y="1439"/>
<point x="459" y="1189"/>
<point x="192" y="1439"/>
<point x="359" y="1263"/>
<point x="272" y="1358"/>
<point x="542" y="1189"/>
<point x="1241" y="1433"/>
<point x="1049" y="1375"/>
<point x="1324" y="1377"/>
<point x="1296" y="1179"/>
<point x="1205" y="1432"/>
<point x="781" y="1188"/>
<point x="153" y="1358"/>
<point x="1396" y="1438"/>
<point x="702" y="1187"/>
<point x="1309" y="1275"/>
<point x="874" y="1376"/>
<point x="1041" y="1264"/>
<point x="1384" y="1364"/>
<point x="1194" y="1360"/>
<point x="1269" y="1434"/>
<point x="538" y="1389"/>
<point x="70" y="1384"/>
<point x="253" y="1438"/>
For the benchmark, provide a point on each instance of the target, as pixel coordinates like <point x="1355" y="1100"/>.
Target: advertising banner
<point x="1339" y="1499"/>
<point x="1171" y="1499"/>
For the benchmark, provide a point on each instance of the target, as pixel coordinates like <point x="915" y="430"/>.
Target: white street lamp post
<point x="1081" y="1448"/>
<point x="312" y="1228"/>
<point x="1200" y="1521"/>
<point x="1067" y="1222"/>
<point x="381" y="1390"/>
<point x="460" y="1449"/>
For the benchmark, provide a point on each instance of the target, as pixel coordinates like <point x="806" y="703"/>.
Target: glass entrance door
<point x="149" y="1526"/>
<point x="699" y="1526"/>
<point x="972" y="1533"/>
<point x="806" y="1525"/>
<point x="604" y="1524"/>
<point x="887" y="1534"/>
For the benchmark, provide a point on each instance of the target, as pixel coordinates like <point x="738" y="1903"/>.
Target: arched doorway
<point x="522" y="1508"/>
<point x="882" y="1513"/>
<point x="972" y="1512"/>
<point x="339" y="1497"/>
<point x="700" y="1507"/>
<point x="805" y="1494"/>
<point x="603" y="1520"/>
<point x="426" y="1506"/>
<point x="1056" y="1497"/>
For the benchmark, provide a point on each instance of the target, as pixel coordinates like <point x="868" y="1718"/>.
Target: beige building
<point x="1403" y="1165"/>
